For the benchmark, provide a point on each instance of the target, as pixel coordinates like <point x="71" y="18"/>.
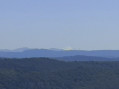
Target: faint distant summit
<point x="55" y="49"/>
<point x="21" y="49"/>
<point x="15" y="50"/>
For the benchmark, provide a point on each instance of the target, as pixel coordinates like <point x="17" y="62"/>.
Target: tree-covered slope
<point x="44" y="73"/>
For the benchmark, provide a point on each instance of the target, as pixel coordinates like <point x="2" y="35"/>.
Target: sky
<point x="76" y="24"/>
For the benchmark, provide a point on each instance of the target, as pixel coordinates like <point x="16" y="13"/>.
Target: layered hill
<point x="86" y="58"/>
<point x="28" y="53"/>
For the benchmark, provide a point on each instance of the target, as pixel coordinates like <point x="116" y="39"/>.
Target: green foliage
<point x="44" y="73"/>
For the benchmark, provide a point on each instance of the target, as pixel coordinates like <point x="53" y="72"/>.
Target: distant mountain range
<point x="53" y="53"/>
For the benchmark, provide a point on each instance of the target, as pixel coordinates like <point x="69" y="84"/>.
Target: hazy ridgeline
<point x="28" y="53"/>
<point x="62" y="44"/>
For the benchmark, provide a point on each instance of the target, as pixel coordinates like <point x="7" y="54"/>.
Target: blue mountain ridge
<point x="28" y="53"/>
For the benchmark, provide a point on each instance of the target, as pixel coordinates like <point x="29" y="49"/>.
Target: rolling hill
<point x="85" y="58"/>
<point x="44" y="73"/>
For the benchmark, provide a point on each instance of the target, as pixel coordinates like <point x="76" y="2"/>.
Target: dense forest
<point x="45" y="73"/>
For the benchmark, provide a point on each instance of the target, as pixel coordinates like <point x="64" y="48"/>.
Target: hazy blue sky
<point x="80" y="24"/>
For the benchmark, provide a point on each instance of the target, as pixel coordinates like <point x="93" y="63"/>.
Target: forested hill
<point x="44" y="73"/>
